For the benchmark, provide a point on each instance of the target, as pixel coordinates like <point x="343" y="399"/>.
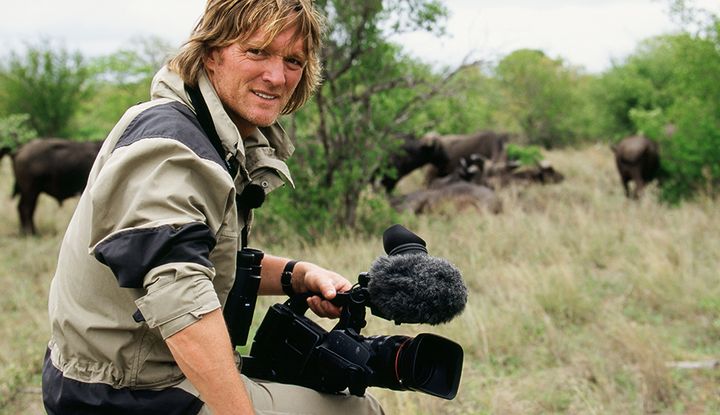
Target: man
<point x="149" y="256"/>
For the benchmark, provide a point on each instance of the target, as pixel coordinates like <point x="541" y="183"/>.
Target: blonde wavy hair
<point x="228" y="21"/>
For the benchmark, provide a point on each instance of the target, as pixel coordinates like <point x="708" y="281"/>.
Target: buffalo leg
<point x="639" y="186"/>
<point x="626" y="186"/>
<point x="26" y="209"/>
<point x="639" y="183"/>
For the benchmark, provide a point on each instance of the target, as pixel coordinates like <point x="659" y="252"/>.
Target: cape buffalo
<point x="460" y="195"/>
<point x="542" y="172"/>
<point x="476" y="169"/>
<point x="54" y="166"/>
<point x="471" y="169"/>
<point x="412" y="155"/>
<point x="489" y="145"/>
<point x="637" y="160"/>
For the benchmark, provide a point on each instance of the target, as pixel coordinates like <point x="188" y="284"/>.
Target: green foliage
<point x="120" y="80"/>
<point x="308" y="212"/>
<point x="134" y="64"/>
<point x="312" y="210"/>
<point x="538" y="93"/>
<point x="468" y="104"/>
<point x="412" y="15"/>
<point x="98" y="114"/>
<point x="691" y="157"/>
<point x="641" y="83"/>
<point x="688" y="98"/>
<point x="526" y="155"/>
<point x="648" y="123"/>
<point x="48" y="84"/>
<point x="14" y="132"/>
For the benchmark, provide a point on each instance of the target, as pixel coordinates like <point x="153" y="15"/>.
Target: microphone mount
<point x="353" y="302"/>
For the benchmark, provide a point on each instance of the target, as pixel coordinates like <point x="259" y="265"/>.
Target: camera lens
<point x="426" y="363"/>
<point x="424" y="373"/>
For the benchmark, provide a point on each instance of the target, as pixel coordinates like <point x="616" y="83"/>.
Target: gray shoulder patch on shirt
<point x="174" y="121"/>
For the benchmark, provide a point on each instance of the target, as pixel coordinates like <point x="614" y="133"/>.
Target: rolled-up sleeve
<point x="179" y="296"/>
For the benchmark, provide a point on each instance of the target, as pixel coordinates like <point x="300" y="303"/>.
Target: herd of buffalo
<point x="461" y="171"/>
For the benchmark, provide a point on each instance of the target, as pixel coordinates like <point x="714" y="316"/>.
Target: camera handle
<point x="353" y="303"/>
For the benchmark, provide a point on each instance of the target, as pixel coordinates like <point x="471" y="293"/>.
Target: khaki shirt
<point x="152" y="244"/>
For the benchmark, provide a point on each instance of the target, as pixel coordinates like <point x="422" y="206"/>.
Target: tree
<point x="14" y="132"/>
<point x="538" y="93"/>
<point x="640" y="82"/>
<point x="369" y="94"/>
<point x="119" y="80"/>
<point x="47" y="84"/>
<point x="469" y="104"/>
<point x="692" y="155"/>
<point x="137" y="63"/>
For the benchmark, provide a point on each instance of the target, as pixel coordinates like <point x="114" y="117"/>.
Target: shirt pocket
<point x="266" y="170"/>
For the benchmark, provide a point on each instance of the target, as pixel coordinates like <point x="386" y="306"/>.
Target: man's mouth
<point x="264" y="95"/>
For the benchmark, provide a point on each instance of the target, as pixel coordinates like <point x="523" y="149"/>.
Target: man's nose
<point x="274" y="70"/>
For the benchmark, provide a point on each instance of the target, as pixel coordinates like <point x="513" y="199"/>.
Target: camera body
<point x="290" y="348"/>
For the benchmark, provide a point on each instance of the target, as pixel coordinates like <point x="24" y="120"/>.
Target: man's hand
<point x="313" y="278"/>
<point x="306" y="277"/>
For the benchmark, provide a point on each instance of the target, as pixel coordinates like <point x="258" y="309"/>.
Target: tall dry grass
<point x="578" y="298"/>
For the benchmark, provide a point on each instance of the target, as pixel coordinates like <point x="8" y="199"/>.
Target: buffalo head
<point x="413" y="154"/>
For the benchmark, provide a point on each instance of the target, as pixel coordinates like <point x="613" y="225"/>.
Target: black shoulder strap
<point x="250" y="197"/>
<point x="205" y="119"/>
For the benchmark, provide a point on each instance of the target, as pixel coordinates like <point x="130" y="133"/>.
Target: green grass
<point x="578" y="298"/>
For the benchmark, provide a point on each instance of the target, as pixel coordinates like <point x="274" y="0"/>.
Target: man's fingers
<point x="323" y="308"/>
<point x="326" y="287"/>
<point x="329" y="292"/>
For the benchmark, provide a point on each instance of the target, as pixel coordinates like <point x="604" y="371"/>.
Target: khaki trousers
<point x="271" y="398"/>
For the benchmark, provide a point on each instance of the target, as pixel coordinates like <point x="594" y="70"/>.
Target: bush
<point x="526" y="155"/>
<point x="691" y="157"/>
<point x="650" y="123"/>
<point x="47" y="84"/>
<point x="311" y="211"/>
<point x="15" y="131"/>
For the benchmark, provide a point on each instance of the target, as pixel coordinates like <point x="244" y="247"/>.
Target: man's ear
<point x="211" y="60"/>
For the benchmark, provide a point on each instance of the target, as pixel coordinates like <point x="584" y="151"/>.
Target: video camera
<point x="407" y="286"/>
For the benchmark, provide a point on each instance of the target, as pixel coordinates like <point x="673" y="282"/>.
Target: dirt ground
<point x="29" y="402"/>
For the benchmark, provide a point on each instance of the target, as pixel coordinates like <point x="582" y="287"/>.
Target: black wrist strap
<point x="286" y="277"/>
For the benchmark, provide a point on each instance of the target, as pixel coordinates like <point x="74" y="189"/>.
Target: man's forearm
<point x="204" y="354"/>
<point x="272" y="267"/>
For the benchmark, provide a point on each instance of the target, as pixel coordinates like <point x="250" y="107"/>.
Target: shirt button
<point x="264" y="183"/>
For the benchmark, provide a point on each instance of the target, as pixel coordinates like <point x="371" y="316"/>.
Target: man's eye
<point x="256" y="52"/>
<point x="295" y="63"/>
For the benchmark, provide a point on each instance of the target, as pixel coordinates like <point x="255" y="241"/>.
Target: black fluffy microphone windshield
<point x="410" y="286"/>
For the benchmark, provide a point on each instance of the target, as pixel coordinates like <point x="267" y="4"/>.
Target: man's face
<point x="255" y="83"/>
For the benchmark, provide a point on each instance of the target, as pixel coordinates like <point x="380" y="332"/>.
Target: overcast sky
<point x="586" y="33"/>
